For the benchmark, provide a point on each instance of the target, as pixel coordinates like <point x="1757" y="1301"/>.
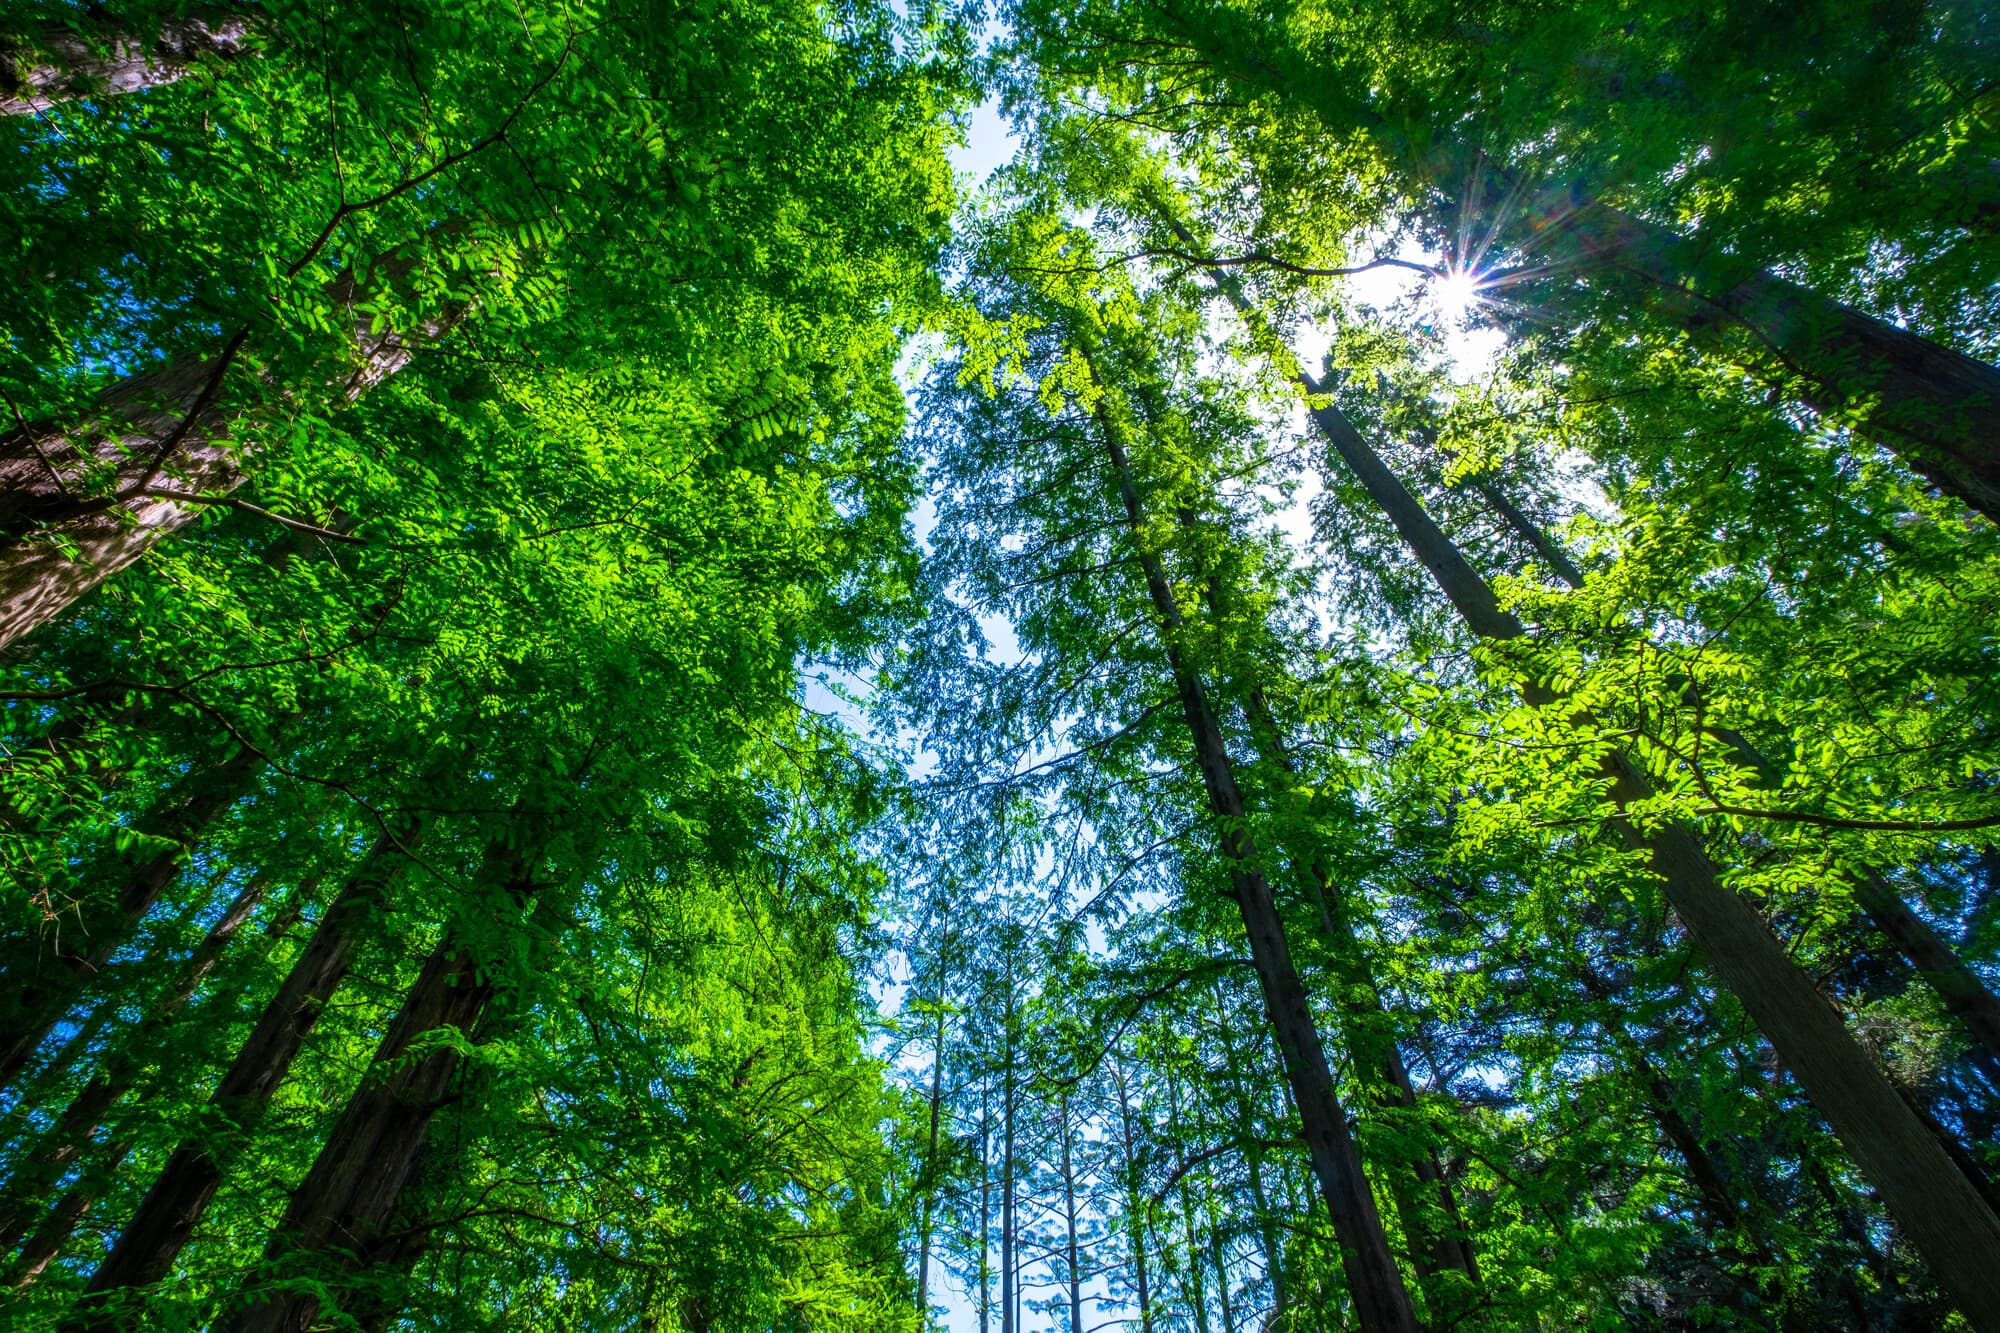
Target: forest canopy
<point x="1360" y="692"/>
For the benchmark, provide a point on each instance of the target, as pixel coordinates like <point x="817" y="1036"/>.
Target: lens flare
<point x="1455" y="294"/>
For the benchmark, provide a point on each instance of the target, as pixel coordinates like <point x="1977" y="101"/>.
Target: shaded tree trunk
<point x="342" y="1217"/>
<point x="1966" y="997"/>
<point x="63" y="63"/>
<point x="70" y="1138"/>
<point x="1381" y="1301"/>
<point x="187" y="812"/>
<point x="1941" y="1212"/>
<point x="146" y="1249"/>
<point x="79" y="504"/>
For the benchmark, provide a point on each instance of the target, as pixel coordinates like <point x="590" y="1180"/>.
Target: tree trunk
<point x="191" y="807"/>
<point x="79" y="505"/>
<point x="1009" y="1320"/>
<point x="180" y="1195"/>
<point x="69" y="1139"/>
<point x="1937" y="408"/>
<point x="342" y="1215"/>
<point x="1370" y="1032"/>
<point x="63" y="64"/>
<point x="929" y="1174"/>
<point x="1965" y="996"/>
<point x="1072" y="1273"/>
<point x="1380" y="1299"/>
<point x="1940" y="1211"/>
<point x="1135" y="1206"/>
<point x="985" y="1211"/>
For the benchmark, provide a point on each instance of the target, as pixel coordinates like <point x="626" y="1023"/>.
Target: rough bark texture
<point x="342" y="1216"/>
<point x="1937" y="1207"/>
<point x="1381" y="1302"/>
<point x="1966" y="997"/>
<point x="180" y="1195"/>
<point x="62" y="64"/>
<point x="186" y="813"/>
<point x="78" y="505"/>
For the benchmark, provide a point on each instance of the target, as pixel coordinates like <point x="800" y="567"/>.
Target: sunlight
<point x="1455" y="294"/>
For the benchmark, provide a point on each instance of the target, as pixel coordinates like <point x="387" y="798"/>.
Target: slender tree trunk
<point x="931" y="1147"/>
<point x="63" y="63"/>
<point x="1197" y="1294"/>
<point x="180" y="1195"/>
<point x="190" y="808"/>
<point x="1219" y="1252"/>
<point x="1371" y="1041"/>
<point x="1380" y="1299"/>
<point x="1941" y="1212"/>
<point x="1073" y="1271"/>
<point x="1009" y="1318"/>
<point x="1253" y="1157"/>
<point x="69" y="1140"/>
<point x="985" y="1211"/>
<point x="1966" y="997"/>
<point x="342" y="1216"/>
<point x="1135" y="1205"/>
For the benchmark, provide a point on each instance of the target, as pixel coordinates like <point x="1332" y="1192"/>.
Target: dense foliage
<point x="1409" y="597"/>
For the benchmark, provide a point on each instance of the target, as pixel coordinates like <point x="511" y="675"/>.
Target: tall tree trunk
<point x="1937" y="408"/>
<point x="62" y="63"/>
<point x="1196" y="1289"/>
<point x="1966" y="997"/>
<point x="69" y="1139"/>
<point x="77" y="505"/>
<point x="342" y="1216"/>
<point x="1009" y="1294"/>
<point x="180" y="1195"/>
<point x="1253" y="1157"/>
<point x="1438" y="1245"/>
<point x="1380" y="1300"/>
<point x="1941" y="1212"/>
<point x="1219" y="1251"/>
<point x="1135" y="1204"/>
<point x="187" y="812"/>
<point x="1072" y="1270"/>
<point x="985" y="1209"/>
<point x="929" y="1174"/>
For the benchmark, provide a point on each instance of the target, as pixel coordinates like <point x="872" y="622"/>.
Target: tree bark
<point x="342" y="1216"/>
<point x="1371" y="1042"/>
<point x="78" y="505"/>
<point x="63" y="64"/>
<point x="1937" y="408"/>
<point x="1937" y="1207"/>
<point x="191" y="807"/>
<point x="180" y="1195"/>
<point x="69" y="1139"/>
<point x="1381" y="1302"/>
<point x="1966" y="997"/>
